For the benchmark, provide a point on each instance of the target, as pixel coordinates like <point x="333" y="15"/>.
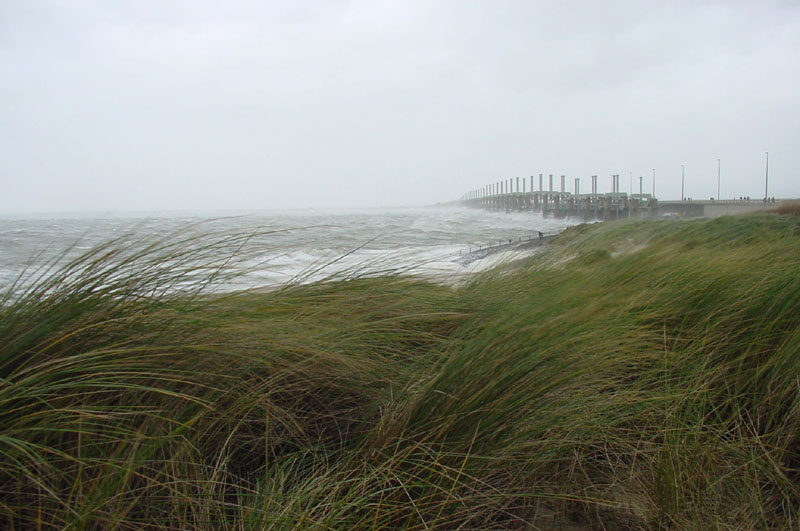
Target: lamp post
<point x="766" y="178"/>
<point x="718" y="178"/>
<point x="682" y="179"/>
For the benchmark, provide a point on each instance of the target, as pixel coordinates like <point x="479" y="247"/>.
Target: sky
<point x="194" y="104"/>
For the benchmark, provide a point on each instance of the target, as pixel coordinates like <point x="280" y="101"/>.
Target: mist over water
<point x="312" y="244"/>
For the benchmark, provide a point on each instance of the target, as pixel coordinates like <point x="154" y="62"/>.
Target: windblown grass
<point x="635" y="375"/>
<point x="790" y="208"/>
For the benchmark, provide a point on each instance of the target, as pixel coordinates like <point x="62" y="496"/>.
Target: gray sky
<point x="191" y="104"/>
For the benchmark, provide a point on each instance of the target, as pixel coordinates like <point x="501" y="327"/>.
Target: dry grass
<point x="790" y="208"/>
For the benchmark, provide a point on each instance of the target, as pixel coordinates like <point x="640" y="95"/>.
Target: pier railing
<point x="477" y="252"/>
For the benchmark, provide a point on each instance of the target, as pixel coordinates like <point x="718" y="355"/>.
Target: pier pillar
<point x="551" y="183"/>
<point x="563" y="187"/>
<point x="594" y="184"/>
<point x="541" y="180"/>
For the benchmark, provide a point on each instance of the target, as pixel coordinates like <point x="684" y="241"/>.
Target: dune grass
<point x="636" y="375"/>
<point x="791" y="208"/>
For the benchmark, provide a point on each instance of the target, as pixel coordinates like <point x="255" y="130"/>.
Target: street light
<point x="766" y="178"/>
<point x="718" y="174"/>
<point x="682" y="178"/>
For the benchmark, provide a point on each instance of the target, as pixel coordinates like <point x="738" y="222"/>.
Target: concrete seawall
<point x="714" y="209"/>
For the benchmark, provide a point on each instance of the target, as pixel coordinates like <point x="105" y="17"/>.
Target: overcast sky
<point x="147" y="105"/>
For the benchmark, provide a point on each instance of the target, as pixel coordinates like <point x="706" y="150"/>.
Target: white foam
<point x="295" y="245"/>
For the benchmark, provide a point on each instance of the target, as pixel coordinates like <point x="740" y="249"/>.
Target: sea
<point x="286" y="245"/>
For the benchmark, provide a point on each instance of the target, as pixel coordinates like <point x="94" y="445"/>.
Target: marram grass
<point x="637" y="375"/>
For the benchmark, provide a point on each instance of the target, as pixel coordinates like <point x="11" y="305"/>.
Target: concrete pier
<point x="507" y="195"/>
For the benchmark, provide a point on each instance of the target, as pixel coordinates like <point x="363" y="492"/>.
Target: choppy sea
<point x="288" y="244"/>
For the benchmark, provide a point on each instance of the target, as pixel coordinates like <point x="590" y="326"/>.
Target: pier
<point x="520" y="195"/>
